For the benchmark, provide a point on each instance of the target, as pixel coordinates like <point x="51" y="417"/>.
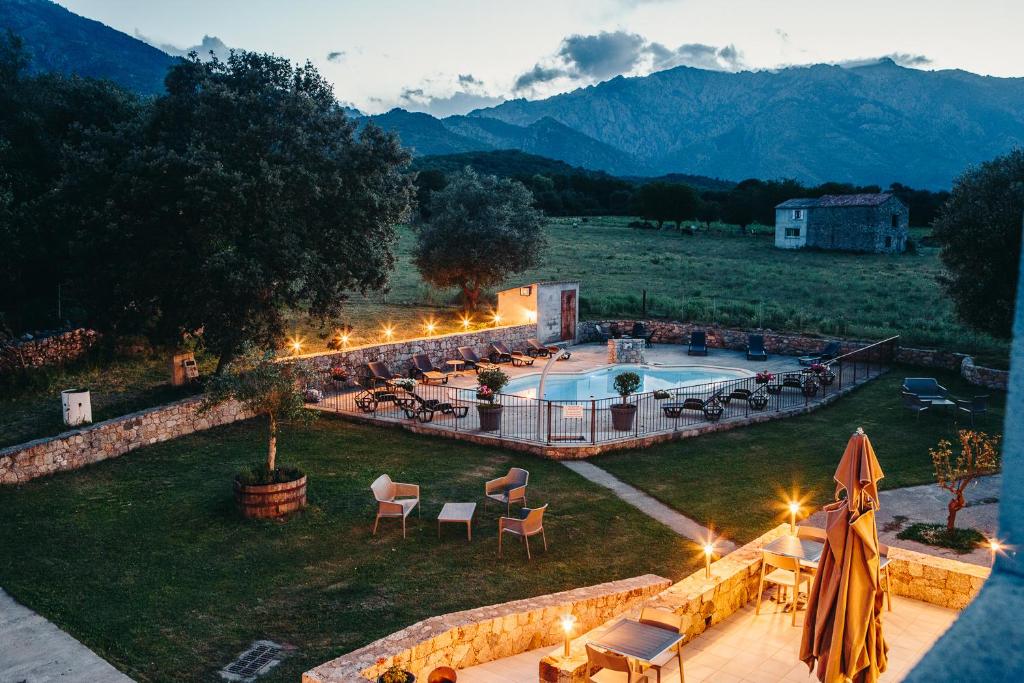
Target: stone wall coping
<point x="85" y="430"/>
<point x="399" y="342"/>
<point x="440" y="638"/>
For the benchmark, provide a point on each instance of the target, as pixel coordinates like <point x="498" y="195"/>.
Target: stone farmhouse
<point x="875" y="223"/>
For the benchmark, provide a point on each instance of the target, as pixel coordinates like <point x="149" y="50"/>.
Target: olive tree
<point x="978" y="456"/>
<point x="481" y="230"/>
<point x="979" y="229"/>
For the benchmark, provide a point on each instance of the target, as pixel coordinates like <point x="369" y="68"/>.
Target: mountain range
<point x="871" y="124"/>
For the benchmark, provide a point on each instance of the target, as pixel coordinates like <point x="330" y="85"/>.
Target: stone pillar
<point x="626" y="351"/>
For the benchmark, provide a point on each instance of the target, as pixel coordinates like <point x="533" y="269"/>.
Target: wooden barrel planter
<point x="267" y="501"/>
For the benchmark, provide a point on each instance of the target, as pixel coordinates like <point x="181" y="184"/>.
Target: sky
<point x="451" y="56"/>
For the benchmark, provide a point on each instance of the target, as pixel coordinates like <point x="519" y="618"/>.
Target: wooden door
<point x="568" y="314"/>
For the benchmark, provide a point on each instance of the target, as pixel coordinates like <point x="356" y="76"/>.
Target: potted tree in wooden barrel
<point x="490" y="382"/>
<point x="274" y="390"/>
<point x="623" y="414"/>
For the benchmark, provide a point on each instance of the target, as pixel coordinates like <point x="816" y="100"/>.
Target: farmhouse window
<point x="792" y="232"/>
<point x="895" y="220"/>
<point x="798" y="214"/>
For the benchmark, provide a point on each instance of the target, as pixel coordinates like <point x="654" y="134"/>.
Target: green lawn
<point x="737" y="480"/>
<point x="144" y="559"/>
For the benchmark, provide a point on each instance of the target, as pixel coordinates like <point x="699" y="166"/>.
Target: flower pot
<point x="411" y="678"/>
<point x="490" y="417"/>
<point x="268" y="501"/>
<point x="623" y="416"/>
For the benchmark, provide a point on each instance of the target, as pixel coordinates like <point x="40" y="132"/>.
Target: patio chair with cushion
<point x="529" y="523"/>
<point x="422" y="409"/>
<point x="755" y="347"/>
<point x="508" y="489"/>
<point x="670" y="621"/>
<point x="926" y="388"/>
<point x="604" y="333"/>
<point x="500" y="352"/>
<point x="616" y="331"/>
<point x="830" y="351"/>
<point x="640" y="331"/>
<point x="915" y="403"/>
<point x="474" y="361"/>
<point x="536" y="349"/>
<point x="698" y="345"/>
<point x="786" y="573"/>
<point x="609" y="667"/>
<point x="423" y="369"/>
<point x="756" y="398"/>
<point x="977" y="405"/>
<point x="394" y="500"/>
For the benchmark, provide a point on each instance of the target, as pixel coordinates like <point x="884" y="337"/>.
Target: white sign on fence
<point x="572" y="412"/>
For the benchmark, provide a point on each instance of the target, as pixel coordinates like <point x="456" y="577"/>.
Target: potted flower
<point x="623" y="414"/>
<point x="490" y="383"/>
<point x="265" y="387"/>
<point x="404" y="383"/>
<point x="763" y="377"/>
<point x="394" y="674"/>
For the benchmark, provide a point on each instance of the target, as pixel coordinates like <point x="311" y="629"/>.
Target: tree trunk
<point x="227" y="354"/>
<point x="272" y="446"/>
<point x="471" y="296"/>
<point x="955" y="505"/>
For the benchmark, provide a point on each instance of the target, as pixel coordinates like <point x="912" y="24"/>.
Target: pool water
<point x="597" y="384"/>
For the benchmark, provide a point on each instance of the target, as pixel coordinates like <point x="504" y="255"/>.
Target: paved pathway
<point x="681" y="524"/>
<point x="32" y="650"/>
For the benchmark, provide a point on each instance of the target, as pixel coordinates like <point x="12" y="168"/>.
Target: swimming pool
<point x="597" y="384"/>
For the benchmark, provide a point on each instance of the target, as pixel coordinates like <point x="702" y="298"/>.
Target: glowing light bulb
<point x="568" y="622"/>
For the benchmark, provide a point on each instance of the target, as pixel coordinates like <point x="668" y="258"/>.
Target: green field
<point x="716" y="276"/>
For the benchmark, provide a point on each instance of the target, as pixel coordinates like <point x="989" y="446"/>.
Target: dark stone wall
<point x="859" y="228"/>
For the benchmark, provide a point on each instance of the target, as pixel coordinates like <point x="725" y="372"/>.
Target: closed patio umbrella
<point x="843" y="629"/>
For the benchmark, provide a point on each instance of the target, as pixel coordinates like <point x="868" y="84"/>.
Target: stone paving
<point x="33" y="650"/>
<point x="902" y="507"/>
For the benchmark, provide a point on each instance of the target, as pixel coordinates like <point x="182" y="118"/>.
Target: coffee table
<point x="459" y="513"/>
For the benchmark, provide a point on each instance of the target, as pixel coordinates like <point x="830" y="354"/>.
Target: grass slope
<point x="144" y="559"/>
<point x="739" y="480"/>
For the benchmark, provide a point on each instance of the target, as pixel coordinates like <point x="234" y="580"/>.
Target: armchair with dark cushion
<point x="508" y="489"/>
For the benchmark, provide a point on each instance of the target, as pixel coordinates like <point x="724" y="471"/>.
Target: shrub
<point x="626" y="383"/>
<point x="490" y="382"/>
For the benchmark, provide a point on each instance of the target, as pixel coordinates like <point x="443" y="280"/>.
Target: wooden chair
<point x="670" y="621"/>
<point x="787" y="574"/>
<point x="508" y="489"/>
<point x="529" y="524"/>
<point x="394" y="500"/>
<point x="978" y="405"/>
<point x="611" y="668"/>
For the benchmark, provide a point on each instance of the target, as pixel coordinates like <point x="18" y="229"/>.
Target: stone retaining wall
<point x="475" y="636"/>
<point x="703" y="602"/>
<point x="110" y="439"/>
<point x="674" y="332"/>
<point x="49" y="350"/>
<point x="398" y="355"/>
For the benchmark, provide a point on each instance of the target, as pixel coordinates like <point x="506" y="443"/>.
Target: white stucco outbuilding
<point x="553" y="306"/>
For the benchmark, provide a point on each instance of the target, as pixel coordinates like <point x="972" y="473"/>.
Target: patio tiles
<point x="749" y="648"/>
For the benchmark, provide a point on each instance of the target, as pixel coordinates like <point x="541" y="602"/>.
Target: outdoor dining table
<point x="807" y="550"/>
<point x="640" y="641"/>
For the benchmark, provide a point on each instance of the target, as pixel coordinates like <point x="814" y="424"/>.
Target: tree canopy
<point x="481" y="230"/>
<point x="662" y="202"/>
<point x="979" y="229"/>
<point x="241" y="193"/>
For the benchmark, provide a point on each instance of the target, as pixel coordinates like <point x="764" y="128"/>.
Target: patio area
<point x="755" y="648"/>
<point x="585" y="425"/>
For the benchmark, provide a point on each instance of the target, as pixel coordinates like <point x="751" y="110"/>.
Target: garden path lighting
<point x="465" y="322"/>
<point x="994" y="547"/>
<point x="568" y="623"/>
<point x="430" y="326"/>
<point x="295" y="344"/>
<point x="389" y="332"/>
<point x="709" y="550"/>
<point x="794" y="508"/>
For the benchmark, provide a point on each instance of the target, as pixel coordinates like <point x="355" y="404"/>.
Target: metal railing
<point x="591" y="421"/>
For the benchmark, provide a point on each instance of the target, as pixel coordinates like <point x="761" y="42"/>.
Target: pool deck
<point x="583" y="428"/>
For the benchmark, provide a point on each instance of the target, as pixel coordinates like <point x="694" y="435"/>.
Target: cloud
<point x="901" y="58"/>
<point x="335" y="56"/>
<point x="459" y="101"/>
<point x="601" y="56"/>
<point x="203" y="49"/>
<point x="469" y="80"/>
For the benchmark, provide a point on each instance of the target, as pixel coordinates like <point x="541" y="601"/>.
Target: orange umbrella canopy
<point x="842" y="632"/>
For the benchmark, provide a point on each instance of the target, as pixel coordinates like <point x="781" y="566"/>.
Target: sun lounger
<point x="698" y="345"/>
<point x="474" y="361"/>
<point x="422" y="369"/>
<point x="830" y="351"/>
<point x="536" y="349"/>
<point x="500" y="352"/>
<point x="755" y="347"/>
<point x="422" y="409"/>
<point x="712" y="407"/>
